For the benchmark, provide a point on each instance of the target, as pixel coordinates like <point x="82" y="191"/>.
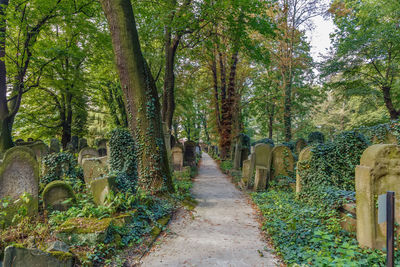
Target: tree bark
<point x="227" y="111"/>
<point x="141" y="99"/>
<point x="168" y="103"/>
<point x="394" y="114"/>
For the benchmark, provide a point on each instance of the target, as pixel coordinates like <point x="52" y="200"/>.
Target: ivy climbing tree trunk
<point x="140" y="95"/>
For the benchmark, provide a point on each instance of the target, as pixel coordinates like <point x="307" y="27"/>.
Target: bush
<point x="264" y="141"/>
<point x="316" y="137"/>
<point x="123" y="159"/>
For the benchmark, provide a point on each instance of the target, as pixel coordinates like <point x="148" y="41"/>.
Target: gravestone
<point x="177" y="158"/>
<point x="30" y="139"/>
<point x="282" y="161"/>
<point x="54" y="146"/>
<point x="19" y="141"/>
<point x="248" y="170"/>
<point x="70" y="148"/>
<point x="40" y="149"/>
<point x="302" y="164"/>
<point x="87" y="152"/>
<point x="101" y="187"/>
<point x="55" y="194"/>
<point x="300" y="145"/>
<point x="263" y="158"/>
<point x="82" y="144"/>
<point x="388" y="138"/>
<point x="16" y="256"/>
<point x="189" y="154"/>
<point x="75" y="143"/>
<point x="102" y="147"/>
<point x="260" y="180"/>
<point x="19" y="174"/>
<point x="378" y="172"/>
<point x="94" y="168"/>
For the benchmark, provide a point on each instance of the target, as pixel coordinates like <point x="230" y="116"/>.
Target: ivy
<point x="61" y="166"/>
<point x="123" y="159"/>
<point x="331" y="171"/>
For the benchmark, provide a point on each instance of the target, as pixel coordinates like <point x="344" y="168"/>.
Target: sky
<point x="319" y="37"/>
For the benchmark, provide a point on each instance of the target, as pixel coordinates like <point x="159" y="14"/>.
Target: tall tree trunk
<point x="394" y="114"/>
<point x="227" y="112"/>
<point x="168" y="103"/>
<point x="141" y="98"/>
<point x="287" y="113"/>
<point x="66" y="120"/>
<point x="6" y="120"/>
<point x="271" y="122"/>
<point x="216" y="94"/>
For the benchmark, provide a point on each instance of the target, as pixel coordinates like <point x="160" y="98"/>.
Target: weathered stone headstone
<point x="82" y="144"/>
<point x="189" y="156"/>
<point x="388" y="138"/>
<point x="21" y="257"/>
<point x="55" y="194"/>
<point x="55" y="145"/>
<point x="30" y="139"/>
<point x="75" y="143"/>
<point x="177" y="158"/>
<point x="101" y="187"/>
<point x="300" y="145"/>
<point x="94" y="168"/>
<point x="302" y="164"/>
<point x="87" y="152"/>
<point x="70" y="148"/>
<point x="19" y="174"/>
<point x="378" y="172"/>
<point x="102" y="147"/>
<point x="248" y="170"/>
<point x="260" y="180"/>
<point x="263" y="158"/>
<point x="282" y="161"/>
<point x="40" y="149"/>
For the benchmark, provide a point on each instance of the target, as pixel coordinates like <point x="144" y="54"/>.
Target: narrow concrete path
<point x="223" y="231"/>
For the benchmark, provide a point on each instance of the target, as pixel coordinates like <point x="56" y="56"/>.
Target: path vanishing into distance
<point x="223" y="230"/>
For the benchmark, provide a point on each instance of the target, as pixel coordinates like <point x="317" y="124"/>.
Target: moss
<point x="61" y="255"/>
<point x="189" y="203"/>
<point x="161" y="222"/>
<point x="58" y="183"/>
<point x="85" y="225"/>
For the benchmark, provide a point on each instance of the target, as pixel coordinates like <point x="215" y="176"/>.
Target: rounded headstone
<point x="54" y="145"/>
<point x="55" y="195"/>
<point x="87" y="152"/>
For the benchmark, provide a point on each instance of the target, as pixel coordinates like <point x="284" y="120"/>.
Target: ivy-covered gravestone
<point x="282" y="162"/>
<point x="58" y="195"/>
<point x="302" y="164"/>
<point x="82" y="144"/>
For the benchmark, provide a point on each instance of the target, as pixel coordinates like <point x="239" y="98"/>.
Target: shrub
<point x="264" y="141"/>
<point x="316" y="137"/>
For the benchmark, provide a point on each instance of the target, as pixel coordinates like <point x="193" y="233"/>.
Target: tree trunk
<point x="287" y="113"/>
<point x="168" y="103"/>
<point x="6" y="120"/>
<point x="394" y="114"/>
<point x="227" y="112"/>
<point x="141" y="99"/>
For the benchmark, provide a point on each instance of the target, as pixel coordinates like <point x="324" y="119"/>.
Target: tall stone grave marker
<point x="378" y="172"/>
<point x="282" y="161"/>
<point x="189" y="156"/>
<point x="177" y="158"/>
<point x="302" y="164"/>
